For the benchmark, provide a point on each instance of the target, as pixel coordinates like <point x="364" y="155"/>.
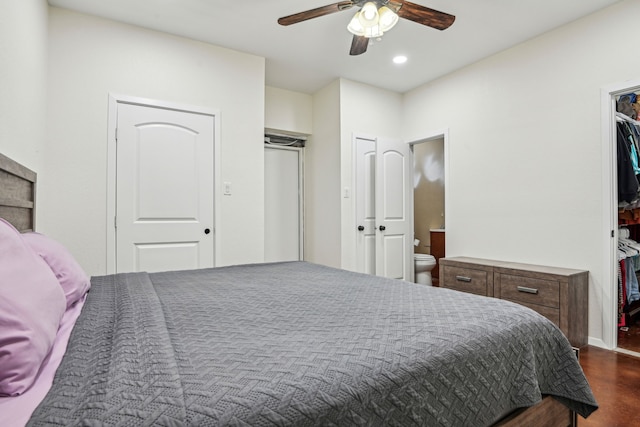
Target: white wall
<point x="370" y="111"/>
<point x="340" y="110"/>
<point x="322" y="180"/>
<point x="525" y="166"/>
<point x="92" y="57"/>
<point x="23" y="80"/>
<point x="288" y="111"/>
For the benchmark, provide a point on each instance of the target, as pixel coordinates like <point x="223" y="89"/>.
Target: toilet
<point x="424" y="263"/>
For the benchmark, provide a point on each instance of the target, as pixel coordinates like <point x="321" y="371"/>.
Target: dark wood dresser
<point x="437" y="251"/>
<point x="559" y="294"/>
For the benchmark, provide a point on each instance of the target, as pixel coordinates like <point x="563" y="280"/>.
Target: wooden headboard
<point x="17" y="194"/>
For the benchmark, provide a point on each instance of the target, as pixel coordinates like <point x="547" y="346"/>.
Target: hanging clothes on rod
<point x="628" y="147"/>
<point x="628" y="266"/>
<point x="621" y="117"/>
<point x="628" y="184"/>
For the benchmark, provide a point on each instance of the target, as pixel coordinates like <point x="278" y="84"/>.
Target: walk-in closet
<point x="628" y="177"/>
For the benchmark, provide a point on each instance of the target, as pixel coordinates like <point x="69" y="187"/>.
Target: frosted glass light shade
<point x="369" y="14"/>
<point x="355" y="26"/>
<point x="387" y="19"/>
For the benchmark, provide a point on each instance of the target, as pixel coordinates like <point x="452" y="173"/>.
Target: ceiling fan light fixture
<point x="371" y="22"/>
<point x="387" y="19"/>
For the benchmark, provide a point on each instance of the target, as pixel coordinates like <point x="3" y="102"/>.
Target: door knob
<point x="207" y="231"/>
<point x="382" y="228"/>
<point x="361" y="228"/>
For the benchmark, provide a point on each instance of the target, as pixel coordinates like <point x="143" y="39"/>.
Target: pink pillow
<point x="74" y="281"/>
<point x="31" y="306"/>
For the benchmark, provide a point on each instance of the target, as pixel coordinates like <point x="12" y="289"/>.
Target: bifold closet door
<point x="383" y="212"/>
<point x="282" y="204"/>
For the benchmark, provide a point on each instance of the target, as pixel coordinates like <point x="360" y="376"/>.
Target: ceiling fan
<point x="374" y="18"/>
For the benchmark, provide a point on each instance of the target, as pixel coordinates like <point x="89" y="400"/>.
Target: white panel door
<point x="282" y="204"/>
<point x="382" y="208"/>
<point x="164" y="189"/>
<point x="366" y="205"/>
<point x="393" y="243"/>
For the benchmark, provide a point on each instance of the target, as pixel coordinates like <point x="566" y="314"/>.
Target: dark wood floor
<point x="615" y="381"/>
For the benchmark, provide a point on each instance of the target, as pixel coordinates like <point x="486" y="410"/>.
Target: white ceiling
<point x="307" y="56"/>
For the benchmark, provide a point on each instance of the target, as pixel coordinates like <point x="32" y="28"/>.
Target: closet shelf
<point x="629" y="216"/>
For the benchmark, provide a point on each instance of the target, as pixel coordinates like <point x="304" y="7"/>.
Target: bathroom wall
<point x="428" y="191"/>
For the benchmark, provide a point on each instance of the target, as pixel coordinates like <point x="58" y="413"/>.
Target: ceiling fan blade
<point x="315" y="13"/>
<point x="359" y="45"/>
<point x="423" y="15"/>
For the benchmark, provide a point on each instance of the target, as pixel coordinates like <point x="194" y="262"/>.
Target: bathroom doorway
<point x="429" y="199"/>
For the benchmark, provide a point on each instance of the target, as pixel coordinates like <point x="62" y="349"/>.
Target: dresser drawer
<point x="528" y="290"/>
<point x="465" y="279"/>
<point x="552" y="314"/>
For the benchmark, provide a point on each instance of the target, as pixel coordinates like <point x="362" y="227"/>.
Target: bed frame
<point x="17" y="205"/>
<point x="17" y="194"/>
<point x="548" y="413"/>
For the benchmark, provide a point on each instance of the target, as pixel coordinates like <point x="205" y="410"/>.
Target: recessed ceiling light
<point x="400" y="59"/>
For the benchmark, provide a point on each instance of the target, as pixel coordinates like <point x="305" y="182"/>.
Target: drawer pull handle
<point x="527" y="290"/>
<point x="463" y="279"/>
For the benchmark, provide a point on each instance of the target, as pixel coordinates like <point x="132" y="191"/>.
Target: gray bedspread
<point x="298" y="344"/>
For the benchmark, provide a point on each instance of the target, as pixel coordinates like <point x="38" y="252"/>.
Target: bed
<point x="294" y="344"/>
